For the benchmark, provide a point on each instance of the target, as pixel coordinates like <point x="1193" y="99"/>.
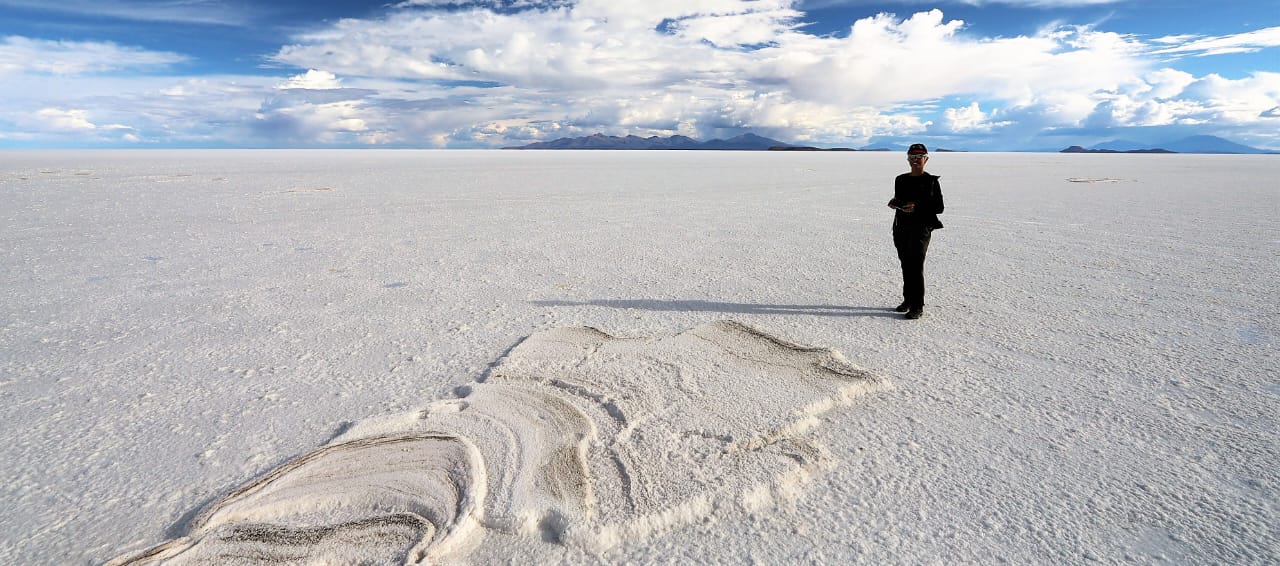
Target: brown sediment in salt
<point x="575" y="437"/>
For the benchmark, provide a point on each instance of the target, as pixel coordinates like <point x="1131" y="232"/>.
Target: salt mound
<point x="380" y="499"/>
<point x="575" y="437"/>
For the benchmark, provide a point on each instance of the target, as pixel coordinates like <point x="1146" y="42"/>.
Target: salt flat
<point x="1095" y="377"/>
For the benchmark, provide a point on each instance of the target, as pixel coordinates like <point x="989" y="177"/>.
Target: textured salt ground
<point x="575" y="437"/>
<point x="1095" y="376"/>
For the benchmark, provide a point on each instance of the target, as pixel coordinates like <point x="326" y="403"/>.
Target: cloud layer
<point x="21" y="55"/>
<point x="463" y="73"/>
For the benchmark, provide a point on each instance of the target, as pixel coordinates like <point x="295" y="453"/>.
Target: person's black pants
<point x="912" y="246"/>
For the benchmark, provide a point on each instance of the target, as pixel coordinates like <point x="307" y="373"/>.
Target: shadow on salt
<point x="574" y="437"/>
<point x="723" y="307"/>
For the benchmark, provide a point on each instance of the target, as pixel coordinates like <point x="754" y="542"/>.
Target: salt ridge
<point x="575" y="437"/>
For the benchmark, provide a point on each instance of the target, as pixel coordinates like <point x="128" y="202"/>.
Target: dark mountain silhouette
<point x="1078" y="149"/>
<point x="1120" y="145"/>
<point x="1209" y="144"/>
<point x="744" y="141"/>
<point x="750" y="142"/>
<point x="1193" y="144"/>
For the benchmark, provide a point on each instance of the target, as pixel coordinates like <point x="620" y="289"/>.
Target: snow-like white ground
<point x="1095" y="378"/>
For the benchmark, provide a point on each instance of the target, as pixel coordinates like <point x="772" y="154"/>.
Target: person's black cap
<point x="917" y="149"/>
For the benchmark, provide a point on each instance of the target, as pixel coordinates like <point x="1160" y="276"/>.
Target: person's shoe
<point x="904" y="307"/>
<point x="914" y="313"/>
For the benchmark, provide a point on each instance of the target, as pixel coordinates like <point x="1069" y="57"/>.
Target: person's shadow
<point x="736" y="308"/>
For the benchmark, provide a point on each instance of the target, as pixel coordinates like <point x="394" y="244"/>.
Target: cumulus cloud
<point x="885" y="60"/>
<point x="701" y="67"/>
<point x="1041" y="3"/>
<point x="1167" y="83"/>
<point x="490" y="4"/>
<point x="1237" y="101"/>
<point x="302" y="121"/>
<point x="312" y="80"/>
<point x="65" y="120"/>
<point x="819" y="4"/>
<point x="75" y="122"/>
<point x="483" y="73"/>
<point x="969" y="119"/>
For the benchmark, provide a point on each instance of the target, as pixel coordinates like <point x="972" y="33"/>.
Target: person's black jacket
<point x="926" y="192"/>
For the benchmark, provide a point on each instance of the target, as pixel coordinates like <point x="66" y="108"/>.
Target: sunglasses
<point x="915" y="158"/>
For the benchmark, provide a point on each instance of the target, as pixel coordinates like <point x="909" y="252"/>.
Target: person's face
<point x="917" y="162"/>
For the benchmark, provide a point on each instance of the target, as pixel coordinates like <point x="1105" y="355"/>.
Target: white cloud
<point x="697" y="68"/>
<point x="818" y="4"/>
<point x="887" y="61"/>
<point x="1126" y="111"/>
<point x="506" y="4"/>
<point x="312" y="80"/>
<point x="590" y="45"/>
<point x="306" y="123"/>
<point x="1041" y="3"/>
<point x="214" y="109"/>
<point x="1169" y="97"/>
<point x="181" y="11"/>
<point x="597" y="62"/>
<point x="65" y="120"/>
<point x="1238" y="101"/>
<point x="968" y="119"/>
<point x="70" y="120"/>
<point x="1173" y="39"/>
<point x="454" y="72"/>
<point x="1205" y="46"/>
<point x="1167" y="83"/>
<point x="736" y="29"/>
<point x="25" y="55"/>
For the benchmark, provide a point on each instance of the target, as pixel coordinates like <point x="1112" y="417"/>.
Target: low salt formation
<point x="576" y="437"/>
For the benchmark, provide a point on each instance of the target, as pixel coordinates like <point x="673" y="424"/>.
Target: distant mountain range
<point x="1193" y="144"/>
<point x="1078" y="149"/>
<point x="752" y="142"/>
<point x="744" y="142"/>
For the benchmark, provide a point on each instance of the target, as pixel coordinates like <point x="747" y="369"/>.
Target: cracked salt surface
<point x="1095" y="377"/>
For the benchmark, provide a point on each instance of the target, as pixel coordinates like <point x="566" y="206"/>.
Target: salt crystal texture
<point x="576" y="437"/>
<point x="190" y="341"/>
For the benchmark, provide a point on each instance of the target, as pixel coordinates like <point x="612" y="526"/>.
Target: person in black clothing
<point x="917" y="197"/>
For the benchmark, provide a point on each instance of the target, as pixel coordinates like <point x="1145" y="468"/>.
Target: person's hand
<point x="909" y="207"/>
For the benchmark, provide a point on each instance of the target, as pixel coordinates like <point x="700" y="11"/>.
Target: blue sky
<point x="966" y="74"/>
